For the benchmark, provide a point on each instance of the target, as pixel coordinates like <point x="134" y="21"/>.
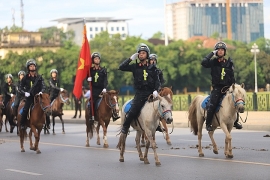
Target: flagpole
<point x="90" y="82"/>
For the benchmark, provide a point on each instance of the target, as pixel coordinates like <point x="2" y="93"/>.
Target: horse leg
<point x="137" y="140"/>
<point x="6" y="119"/>
<point x="30" y="140"/>
<point x="87" y="134"/>
<point x="228" y="141"/>
<point x="143" y="139"/>
<point x="122" y="145"/>
<point x="147" y="145"/>
<point x="53" y="122"/>
<point x="98" y="138"/>
<point x="168" y="140"/>
<point x="105" y="141"/>
<point x="151" y="138"/>
<point x="22" y="139"/>
<point x="63" y="128"/>
<point x="37" y="138"/>
<point x="200" y="126"/>
<point x="211" y="135"/>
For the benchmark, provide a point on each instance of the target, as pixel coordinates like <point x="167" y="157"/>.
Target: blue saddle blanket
<point x="206" y="102"/>
<point x="96" y="104"/>
<point x="128" y="106"/>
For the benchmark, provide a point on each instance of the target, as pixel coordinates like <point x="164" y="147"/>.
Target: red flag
<point x="84" y="64"/>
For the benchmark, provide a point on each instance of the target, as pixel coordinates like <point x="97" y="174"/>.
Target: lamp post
<point x="255" y="50"/>
<point x="165" y="23"/>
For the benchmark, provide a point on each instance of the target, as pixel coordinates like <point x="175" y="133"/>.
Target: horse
<point x="57" y="109"/>
<point x="1" y="112"/>
<point x="10" y="115"/>
<point x="147" y="123"/>
<point x="103" y="114"/>
<point x="41" y="106"/>
<point x="233" y="102"/>
<point x="163" y="92"/>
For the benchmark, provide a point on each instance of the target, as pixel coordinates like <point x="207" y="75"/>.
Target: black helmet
<point x="143" y="47"/>
<point x="53" y="70"/>
<point x="95" y="54"/>
<point x="30" y="62"/>
<point x="153" y="56"/>
<point x="21" y="72"/>
<point x="9" y="76"/>
<point x="221" y="45"/>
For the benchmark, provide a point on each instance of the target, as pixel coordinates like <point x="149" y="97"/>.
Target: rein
<point x="162" y="114"/>
<point x="237" y="101"/>
<point x="62" y="99"/>
<point x="41" y="105"/>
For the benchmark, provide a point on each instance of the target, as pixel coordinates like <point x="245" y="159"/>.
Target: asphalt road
<point x="64" y="156"/>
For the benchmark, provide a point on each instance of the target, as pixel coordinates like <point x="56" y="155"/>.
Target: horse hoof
<point x="158" y="163"/>
<point x="32" y="148"/>
<point x="201" y="155"/>
<point x="22" y="150"/>
<point x="38" y="151"/>
<point x="106" y="145"/>
<point x="141" y="159"/>
<point x="63" y="132"/>
<point x="229" y="156"/>
<point x="121" y="159"/>
<point x="216" y="152"/>
<point x="169" y="143"/>
<point x="87" y="145"/>
<point x="146" y="162"/>
<point x="143" y="145"/>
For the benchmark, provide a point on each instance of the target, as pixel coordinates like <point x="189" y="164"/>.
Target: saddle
<point x="206" y="102"/>
<point x="29" y="111"/>
<point x="97" y="103"/>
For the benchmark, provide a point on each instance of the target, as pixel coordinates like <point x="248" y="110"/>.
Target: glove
<point x="215" y="52"/>
<point x="89" y="79"/>
<point x="11" y="95"/>
<point x="155" y="94"/>
<point x="26" y="94"/>
<point x="104" y="90"/>
<point x="61" y="89"/>
<point x="134" y="56"/>
<point x="39" y="93"/>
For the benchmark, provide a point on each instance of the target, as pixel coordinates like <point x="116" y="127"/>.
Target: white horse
<point x="233" y="102"/>
<point x="147" y="123"/>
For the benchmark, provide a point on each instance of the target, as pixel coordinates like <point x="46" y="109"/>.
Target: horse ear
<point x="117" y="92"/>
<point x="243" y="85"/>
<point x="170" y="87"/>
<point x="233" y="86"/>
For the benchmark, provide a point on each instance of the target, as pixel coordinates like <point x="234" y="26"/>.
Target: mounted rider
<point x="30" y="85"/>
<point x="99" y="80"/>
<point x="9" y="89"/>
<point x="222" y="72"/>
<point x="146" y="82"/>
<point x="19" y="95"/>
<point x="153" y="60"/>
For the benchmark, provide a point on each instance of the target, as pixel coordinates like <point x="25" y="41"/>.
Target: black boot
<point x="48" y="121"/>
<point x="15" y="110"/>
<point x="159" y="129"/>
<point x="22" y="123"/>
<point x="91" y="120"/>
<point x="115" y="115"/>
<point x="209" y="117"/>
<point x="236" y="124"/>
<point x="128" y="119"/>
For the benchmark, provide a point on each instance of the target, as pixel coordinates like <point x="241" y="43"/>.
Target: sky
<point x="146" y="16"/>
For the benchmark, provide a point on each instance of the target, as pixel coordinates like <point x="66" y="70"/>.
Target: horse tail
<point x="192" y="116"/>
<point x="122" y="142"/>
<point x="92" y="129"/>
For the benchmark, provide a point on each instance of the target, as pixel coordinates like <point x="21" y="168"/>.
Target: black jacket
<point x="54" y="86"/>
<point x="145" y="76"/>
<point x="8" y="90"/>
<point x="99" y="78"/>
<point x="222" y="72"/>
<point x="28" y="82"/>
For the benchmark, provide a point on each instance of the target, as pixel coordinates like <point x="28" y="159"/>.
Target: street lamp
<point x="255" y="50"/>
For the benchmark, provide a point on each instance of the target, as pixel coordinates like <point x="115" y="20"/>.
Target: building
<point x="93" y="26"/>
<point x="240" y="20"/>
<point x="26" y="41"/>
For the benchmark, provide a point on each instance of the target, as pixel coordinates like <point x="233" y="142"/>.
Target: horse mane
<point x="168" y="99"/>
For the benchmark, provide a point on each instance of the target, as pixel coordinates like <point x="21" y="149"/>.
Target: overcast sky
<point x="146" y="16"/>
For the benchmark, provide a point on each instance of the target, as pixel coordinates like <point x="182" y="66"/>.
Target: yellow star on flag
<point x="82" y="64"/>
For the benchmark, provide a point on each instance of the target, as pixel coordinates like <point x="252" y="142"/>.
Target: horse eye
<point x="162" y="106"/>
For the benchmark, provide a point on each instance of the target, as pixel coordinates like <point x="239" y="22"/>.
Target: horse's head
<point x="165" y="108"/>
<point x="238" y="96"/>
<point x="64" y="96"/>
<point x="113" y="100"/>
<point x="165" y="91"/>
<point x="44" y="102"/>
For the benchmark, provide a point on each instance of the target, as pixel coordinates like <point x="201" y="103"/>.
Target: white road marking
<point x="160" y="154"/>
<point x="24" y="172"/>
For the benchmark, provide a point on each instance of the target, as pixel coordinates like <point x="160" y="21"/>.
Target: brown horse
<point x="102" y="116"/>
<point x="10" y="115"/>
<point x="165" y="91"/>
<point x="36" y="120"/>
<point x="1" y="112"/>
<point x="57" y="109"/>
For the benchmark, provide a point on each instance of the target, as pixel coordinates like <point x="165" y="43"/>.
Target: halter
<point x="162" y="114"/>
<point x="110" y="105"/>
<point x="62" y="99"/>
<point x="238" y="101"/>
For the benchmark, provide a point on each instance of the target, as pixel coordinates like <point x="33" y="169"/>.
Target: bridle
<point x="110" y="104"/>
<point x="62" y="98"/>
<point x="238" y="101"/>
<point x="163" y="113"/>
<point x="41" y="104"/>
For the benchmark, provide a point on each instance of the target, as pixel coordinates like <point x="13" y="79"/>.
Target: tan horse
<point x="233" y="102"/>
<point x="57" y="110"/>
<point x="1" y="111"/>
<point x="165" y="91"/>
<point x="36" y="120"/>
<point x="147" y="123"/>
<point x="102" y="116"/>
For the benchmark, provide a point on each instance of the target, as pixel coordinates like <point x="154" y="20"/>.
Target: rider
<point x="222" y="72"/>
<point x="9" y="89"/>
<point x="54" y="90"/>
<point x="99" y="81"/>
<point x="19" y="95"/>
<point x="146" y="82"/>
<point x="153" y="61"/>
<point x="30" y="85"/>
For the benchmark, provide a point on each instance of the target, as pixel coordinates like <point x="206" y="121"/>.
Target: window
<point x="111" y="28"/>
<point x="117" y="28"/>
<point x="90" y="29"/>
<point x="101" y="29"/>
<point x="123" y="35"/>
<point x="123" y="28"/>
<point x="91" y="36"/>
<point x="96" y="28"/>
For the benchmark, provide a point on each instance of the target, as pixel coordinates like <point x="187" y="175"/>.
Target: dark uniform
<point x="26" y="85"/>
<point x="222" y="72"/>
<point x="8" y="90"/>
<point x="145" y="82"/>
<point x="19" y="95"/>
<point x="159" y="71"/>
<point x="77" y="103"/>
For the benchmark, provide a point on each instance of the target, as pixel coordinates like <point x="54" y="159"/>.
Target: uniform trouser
<point x="6" y="100"/>
<point x="17" y="101"/>
<point x="138" y="102"/>
<point x="215" y="97"/>
<point x="78" y="106"/>
<point x="28" y="102"/>
<point x="95" y="98"/>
